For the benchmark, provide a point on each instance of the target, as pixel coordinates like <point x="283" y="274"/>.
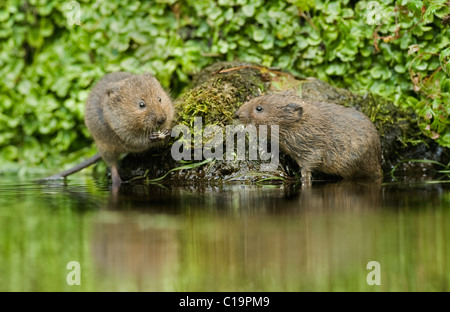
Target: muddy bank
<point x="219" y="90"/>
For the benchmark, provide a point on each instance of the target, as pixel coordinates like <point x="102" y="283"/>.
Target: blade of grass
<point x="185" y="167"/>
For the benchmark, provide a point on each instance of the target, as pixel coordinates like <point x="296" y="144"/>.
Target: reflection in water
<point x="250" y="199"/>
<point x="252" y="238"/>
<point x="138" y="247"/>
<point x="234" y="237"/>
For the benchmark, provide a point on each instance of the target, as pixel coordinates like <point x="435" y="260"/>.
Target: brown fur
<point x="322" y="137"/>
<point x="117" y="122"/>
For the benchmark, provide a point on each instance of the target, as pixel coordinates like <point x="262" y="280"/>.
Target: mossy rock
<point x="220" y="89"/>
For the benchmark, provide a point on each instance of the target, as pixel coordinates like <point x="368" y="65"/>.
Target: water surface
<point x="228" y="238"/>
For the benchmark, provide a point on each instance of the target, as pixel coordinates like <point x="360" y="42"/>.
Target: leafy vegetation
<point x="52" y="52"/>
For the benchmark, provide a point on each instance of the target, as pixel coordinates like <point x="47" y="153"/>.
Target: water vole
<point x="322" y="137"/>
<point x="127" y="113"/>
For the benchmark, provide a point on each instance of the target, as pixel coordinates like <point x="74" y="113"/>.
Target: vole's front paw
<point x="160" y="135"/>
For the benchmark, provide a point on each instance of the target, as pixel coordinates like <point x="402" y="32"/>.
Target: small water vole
<point x="322" y="137"/>
<point x="127" y="113"/>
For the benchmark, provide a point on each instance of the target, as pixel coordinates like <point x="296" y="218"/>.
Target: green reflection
<point x="232" y="238"/>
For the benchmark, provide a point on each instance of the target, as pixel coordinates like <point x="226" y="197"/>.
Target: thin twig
<point x="222" y="71"/>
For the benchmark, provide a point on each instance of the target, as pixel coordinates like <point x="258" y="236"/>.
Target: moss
<point x="219" y="93"/>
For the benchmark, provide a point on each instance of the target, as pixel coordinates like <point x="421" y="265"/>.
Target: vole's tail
<point x="80" y="166"/>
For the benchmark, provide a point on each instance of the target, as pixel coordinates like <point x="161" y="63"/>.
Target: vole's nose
<point x="161" y="119"/>
<point x="236" y="114"/>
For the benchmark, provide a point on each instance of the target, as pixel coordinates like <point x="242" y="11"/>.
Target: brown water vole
<point x="322" y="137"/>
<point x="127" y="113"/>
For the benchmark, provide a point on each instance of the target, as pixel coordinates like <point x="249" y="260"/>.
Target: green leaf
<point x="400" y="69"/>
<point x="378" y="72"/>
<point x="259" y="35"/>
<point x="248" y="10"/>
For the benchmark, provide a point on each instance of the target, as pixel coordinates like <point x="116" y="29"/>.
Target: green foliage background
<point x="48" y="65"/>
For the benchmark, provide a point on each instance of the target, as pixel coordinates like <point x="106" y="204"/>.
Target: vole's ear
<point x="294" y="110"/>
<point x="113" y="90"/>
<point x="147" y="74"/>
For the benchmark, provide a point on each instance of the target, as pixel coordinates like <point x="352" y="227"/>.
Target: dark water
<point x="229" y="238"/>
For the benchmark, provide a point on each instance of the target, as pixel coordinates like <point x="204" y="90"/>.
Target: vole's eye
<point x="159" y="99"/>
<point x="259" y="109"/>
<point x="142" y="104"/>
